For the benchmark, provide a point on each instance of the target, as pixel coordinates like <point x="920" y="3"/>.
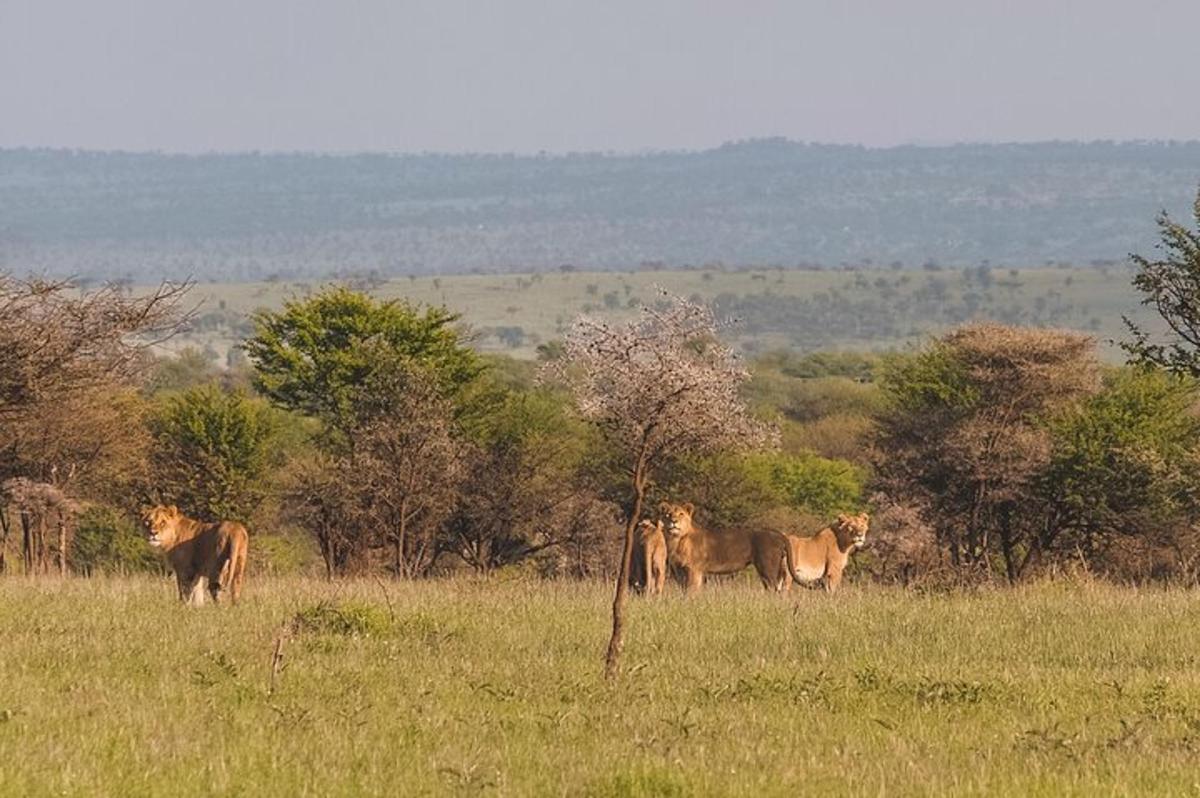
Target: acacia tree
<point x="659" y="387"/>
<point x="65" y="409"/>
<point x="315" y="354"/>
<point x="55" y="343"/>
<point x="966" y="437"/>
<point x="1171" y="284"/>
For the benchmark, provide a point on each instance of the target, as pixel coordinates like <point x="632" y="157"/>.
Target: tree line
<point x="370" y="435"/>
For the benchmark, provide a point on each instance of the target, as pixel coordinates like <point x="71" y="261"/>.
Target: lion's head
<point x="162" y="525"/>
<point x="647" y="528"/>
<point x="853" y="528"/>
<point x="677" y="518"/>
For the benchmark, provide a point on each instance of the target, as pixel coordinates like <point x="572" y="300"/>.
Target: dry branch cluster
<point x="68" y="430"/>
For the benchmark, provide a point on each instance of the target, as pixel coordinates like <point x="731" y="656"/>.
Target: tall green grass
<point x="109" y="687"/>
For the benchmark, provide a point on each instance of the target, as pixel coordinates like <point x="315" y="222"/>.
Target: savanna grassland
<point x="774" y="308"/>
<point x="109" y="687"/>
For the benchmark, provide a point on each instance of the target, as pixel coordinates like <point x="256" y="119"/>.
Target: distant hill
<point x="764" y="202"/>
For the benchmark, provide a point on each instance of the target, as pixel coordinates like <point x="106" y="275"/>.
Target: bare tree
<point x="659" y="387"/>
<point x="321" y="497"/>
<point x="67" y="420"/>
<point x="408" y="460"/>
<point x="55" y="342"/>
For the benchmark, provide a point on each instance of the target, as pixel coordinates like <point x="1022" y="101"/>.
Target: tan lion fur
<point x="649" y="568"/>
<point x="211" y="555"/>
<point x="697" y="552"/>
<point x="822" y="557"/>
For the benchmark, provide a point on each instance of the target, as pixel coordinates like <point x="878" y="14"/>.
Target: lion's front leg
<point x="191" y="588"/>
<point x="833" y="577"/>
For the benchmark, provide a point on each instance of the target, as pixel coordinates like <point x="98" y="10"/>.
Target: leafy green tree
<point x="214" y="451"/>
<point x="1171" y="284"/>
<point x="313" y="355"/>
<point x="965" y="437"/>
<point x="525" y="481"/>
<point x="809" y="482"/>
<point x="108" y="541"/>
<point x="734" y="488"/>
<point x="1126" y="461"/>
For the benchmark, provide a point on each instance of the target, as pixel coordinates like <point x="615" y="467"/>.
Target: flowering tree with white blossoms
<point x="660" y="387"/>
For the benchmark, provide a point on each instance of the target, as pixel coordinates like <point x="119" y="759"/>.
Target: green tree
<point x="735" y="487"/>
<point x="1126" y="461"/>
<point x="106" y="540"/>
<point x="965" y="437"/>
<point x="312" y="355"/>
<point x="214" y="451"/>
<point x="1171" y="284"/>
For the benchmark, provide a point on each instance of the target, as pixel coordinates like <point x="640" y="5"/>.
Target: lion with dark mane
<point x="202" y="555"/>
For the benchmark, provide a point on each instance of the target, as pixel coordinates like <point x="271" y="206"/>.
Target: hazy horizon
<point x="646" y="151"/>
<point x="560" y="77"/>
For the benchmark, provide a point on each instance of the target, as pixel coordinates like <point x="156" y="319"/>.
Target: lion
<point x="697" y="552"/>
<point x="823" y="557"/>
<point x="211" y="555"/>
<point x="648" y="571"/>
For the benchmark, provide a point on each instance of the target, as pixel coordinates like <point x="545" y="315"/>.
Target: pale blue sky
<point x="560" y="75"/>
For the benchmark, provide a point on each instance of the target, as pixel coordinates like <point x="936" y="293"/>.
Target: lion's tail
<point x="235" y="566"/>
<point x="793" y="574"/>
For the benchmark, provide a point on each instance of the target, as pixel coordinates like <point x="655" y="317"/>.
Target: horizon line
<point x="634" y="153"/>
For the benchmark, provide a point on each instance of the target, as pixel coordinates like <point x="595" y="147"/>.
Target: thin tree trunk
<point x="327" y="556"/>
<point x="617" y="641"/>
<point x="62" y="547"/>
<point x="5" y="528"/>
<point x="1007" y="546"/>
<point x="26" y="543"/>
<point x="400" y="540"/>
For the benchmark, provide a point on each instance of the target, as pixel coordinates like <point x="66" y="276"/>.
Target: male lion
<point x="199" y="553"/>
<point x="697" y="551"/>
<point x="823" y="557"/>
<point x="648" y="571"/>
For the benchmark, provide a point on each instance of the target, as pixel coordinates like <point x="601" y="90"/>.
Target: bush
<point x="350" y="619"/>
<point x="107" y="541"/>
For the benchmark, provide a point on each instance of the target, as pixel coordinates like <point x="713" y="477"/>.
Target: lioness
<point x="648" y="571"/>
<point x="823" y="557"/>
<point x="199" y="553"/>
<point x="697" y="551"/>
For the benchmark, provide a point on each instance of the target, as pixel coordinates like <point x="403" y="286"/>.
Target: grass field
<point x="108" y="688"/>
<point x="543" y="305"/>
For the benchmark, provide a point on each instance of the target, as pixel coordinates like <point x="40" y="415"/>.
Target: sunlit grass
<point x="107" y="687"/>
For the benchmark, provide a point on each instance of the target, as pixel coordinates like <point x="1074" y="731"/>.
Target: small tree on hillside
<point x="1171" y="284"/>
<point x="659" y="387"/>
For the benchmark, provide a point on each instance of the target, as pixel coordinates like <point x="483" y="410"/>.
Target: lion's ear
<point x="689" y="508"/>
<point x="173" y="510"/>
<point x="843" y="518"/>
<point x="664" y="507"/>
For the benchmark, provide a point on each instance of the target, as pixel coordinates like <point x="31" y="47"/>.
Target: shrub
<point x="108" y="541"/>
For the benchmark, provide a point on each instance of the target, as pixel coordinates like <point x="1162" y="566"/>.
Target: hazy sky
<point x="560" y="75"/>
